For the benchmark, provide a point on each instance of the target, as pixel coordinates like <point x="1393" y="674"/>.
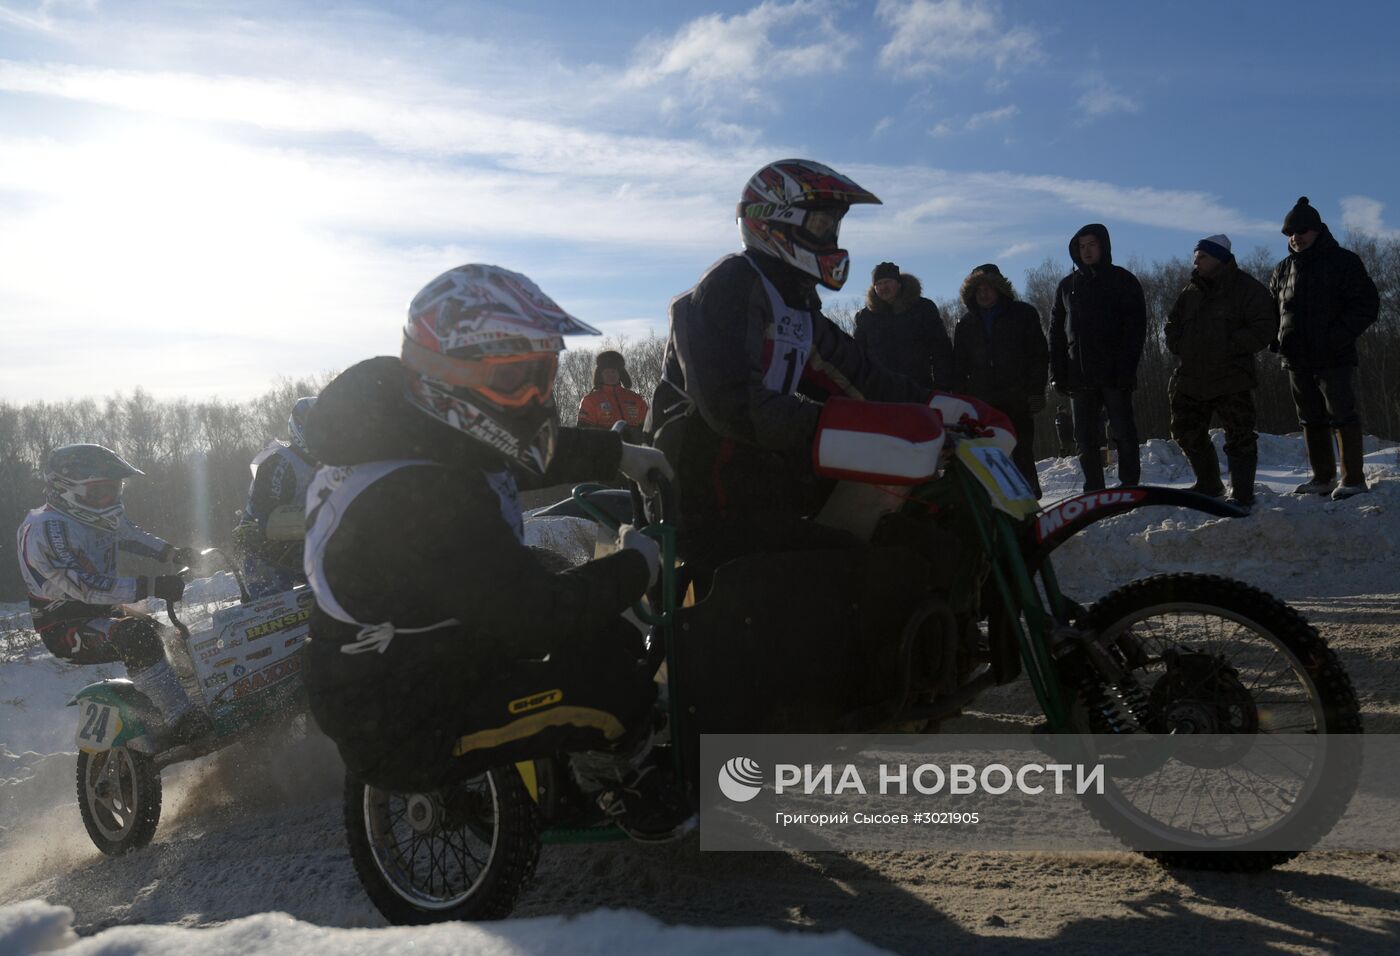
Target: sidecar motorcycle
<point x="243" y="671"/>
<point x="960" y="597"/>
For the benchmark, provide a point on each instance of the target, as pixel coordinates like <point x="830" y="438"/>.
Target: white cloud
<point x="976" y="121"/>
<point x="1017" y="249"/>
<point x="716" y="56"/>
<point x="929" y="36"/>
<point x="1100" y="98"/>
<point x="1363" y="214"/>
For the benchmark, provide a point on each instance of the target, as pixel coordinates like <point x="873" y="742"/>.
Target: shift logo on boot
<point x="740" y="779"/>
<point x="535" y="701"/>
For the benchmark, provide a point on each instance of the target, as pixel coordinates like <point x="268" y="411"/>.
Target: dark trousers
<point x="1325" y="397"/>
<point x="1089" y="405"/>
<point x="1191" y="423"/>
<point x="1024" y="453"/>
<point x="451" y="709"/>
<point x="133" y="640"/>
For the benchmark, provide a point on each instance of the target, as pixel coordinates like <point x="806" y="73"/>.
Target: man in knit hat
<point x="1221" y="318"/>
<point x="612" y="399"/>
<point x="1325" y="301"/>
<point x="901" y="331"/>
<point x="1000" y="356"/>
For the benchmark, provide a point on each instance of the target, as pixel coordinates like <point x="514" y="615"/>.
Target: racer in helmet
<point x="441" y="645"/>
<point x="68" y="553"/>
<point x="749" y="362"/>
<point x="272" y="563"/>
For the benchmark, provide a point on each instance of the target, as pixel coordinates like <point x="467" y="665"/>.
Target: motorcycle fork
<point x="1023" y="602"/>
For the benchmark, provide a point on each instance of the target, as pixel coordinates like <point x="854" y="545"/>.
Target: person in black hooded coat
<point x="1098" y="326"/>
<point x="1000" y="356"/>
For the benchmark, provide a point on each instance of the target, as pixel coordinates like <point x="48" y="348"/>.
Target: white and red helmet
<point x="85" y="482"/>
<point x="792" y="210"/>
<point x="480" y="351"/>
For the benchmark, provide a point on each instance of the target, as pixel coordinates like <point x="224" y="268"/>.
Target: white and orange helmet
<point x="792" y="210"/>
<point x="480" y="351"/>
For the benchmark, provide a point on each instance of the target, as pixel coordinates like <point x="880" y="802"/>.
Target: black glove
<point x="1036" y="403"/>
<point x="183" y="557"/>
<point x="168" y="587"/>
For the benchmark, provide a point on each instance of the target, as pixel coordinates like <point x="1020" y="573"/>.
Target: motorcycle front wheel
<point x="119" y="797"/>
<point x="461" y="853"/>
<point x="1210" y="655"/>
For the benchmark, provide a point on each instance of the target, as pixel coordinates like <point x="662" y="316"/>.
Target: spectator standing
<point x="1221" y="318"/>
<point x="612" y="399"/>
<point x="1325" y="301"/>
<point x="1000" y="356"/>
<point x="1097" y="328"/>
<point x="901" y="331"/>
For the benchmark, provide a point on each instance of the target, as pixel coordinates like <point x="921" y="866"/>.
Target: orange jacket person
<point x="612" y="399"/>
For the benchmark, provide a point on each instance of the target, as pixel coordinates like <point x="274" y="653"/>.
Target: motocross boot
<point x="191" y="727"/>
<point x="648" y="806"/>
<point x="1321" y="459"/>
<point x="1349" y="438"/>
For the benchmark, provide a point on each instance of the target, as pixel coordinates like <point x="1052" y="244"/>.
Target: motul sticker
<point x="1061" y="515"/>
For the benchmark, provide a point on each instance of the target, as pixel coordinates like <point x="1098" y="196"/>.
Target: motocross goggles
<point x="98" y="493"/>
<point x="508" y="381"/>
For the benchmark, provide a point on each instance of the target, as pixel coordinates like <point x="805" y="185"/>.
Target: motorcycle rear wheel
<point x="119" y="797"/>
<point x="461" y="853"/>
<point x="1242" y="662"/>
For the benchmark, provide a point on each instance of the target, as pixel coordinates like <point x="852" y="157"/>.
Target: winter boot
<point x="1242" y="468"/>
<point x="1353" y="480"/>
<point x="1207" y="468"/>
<point x="1321" y="458"/>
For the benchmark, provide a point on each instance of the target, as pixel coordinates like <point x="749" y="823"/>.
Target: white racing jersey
<point x="66" y="562"/>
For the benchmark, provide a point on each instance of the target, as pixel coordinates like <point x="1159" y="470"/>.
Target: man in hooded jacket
<point x="1325" y="301"/>
<point x="1000" y="356"/>
<point x="902" y="331"/>
<point x="1097" y="329"/>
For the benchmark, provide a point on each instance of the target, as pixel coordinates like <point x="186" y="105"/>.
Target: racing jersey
<point x="70" y="568"/>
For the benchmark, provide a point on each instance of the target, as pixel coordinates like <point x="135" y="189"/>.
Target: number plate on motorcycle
<point x="98" y="725"/>
<point x="1007" y="487"/>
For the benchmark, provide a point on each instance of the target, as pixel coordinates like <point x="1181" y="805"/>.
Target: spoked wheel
<point x="461" y="853"/>
<point x="1208" y="655"/>
<point x="119" y="797"/>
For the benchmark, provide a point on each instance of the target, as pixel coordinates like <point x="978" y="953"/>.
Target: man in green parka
<point x="1222" y="317"/>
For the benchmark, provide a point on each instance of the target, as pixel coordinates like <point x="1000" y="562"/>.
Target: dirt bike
<point x="1169" y="654"/>
<point x="243" y="672"/>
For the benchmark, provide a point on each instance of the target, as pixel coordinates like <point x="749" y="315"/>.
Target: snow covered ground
<point x="233" y="812"/>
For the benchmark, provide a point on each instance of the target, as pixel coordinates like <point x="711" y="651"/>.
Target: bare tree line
<point x="196" y="454"/>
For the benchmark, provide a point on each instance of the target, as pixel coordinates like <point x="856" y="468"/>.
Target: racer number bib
<point x="791" y="334"/>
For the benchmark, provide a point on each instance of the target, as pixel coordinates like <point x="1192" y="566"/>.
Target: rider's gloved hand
<point x="183" y="557"/>
<point x="630" y="538"/>
<point x="639" y="460"/>
<point x="168" y="587"/>
<point x="976" y="415"/>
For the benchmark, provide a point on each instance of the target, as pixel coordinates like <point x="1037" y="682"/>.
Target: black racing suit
<point x="749" y="359"/>
<point x="494" y="658"/>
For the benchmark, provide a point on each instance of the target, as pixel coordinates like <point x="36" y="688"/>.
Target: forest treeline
<point x="196" y="453"/>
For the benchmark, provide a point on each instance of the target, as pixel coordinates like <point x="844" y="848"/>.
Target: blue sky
<point x="199" y="197"/>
